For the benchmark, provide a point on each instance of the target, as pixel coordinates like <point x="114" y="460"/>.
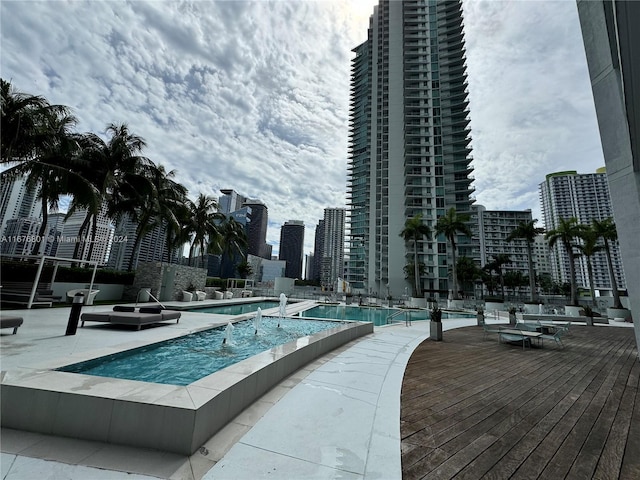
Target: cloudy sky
<point x="253" y="96"/>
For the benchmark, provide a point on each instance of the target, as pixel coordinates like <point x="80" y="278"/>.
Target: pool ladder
<point x="407" y="317"/>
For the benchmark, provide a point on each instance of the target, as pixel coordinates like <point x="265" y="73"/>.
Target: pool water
<point x="378" y="316"/>
<point x="184" y="360"/>
<point x="362" y="314"/>
<point x="238" y="308"/>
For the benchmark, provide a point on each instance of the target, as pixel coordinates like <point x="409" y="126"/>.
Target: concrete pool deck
<point x="324" y="420"/>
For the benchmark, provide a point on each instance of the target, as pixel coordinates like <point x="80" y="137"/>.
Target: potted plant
<point x="436" y="324"/>
<point x="348" y="298"/>
<point x="480" y="316"/>
<point x="512" y="315"/>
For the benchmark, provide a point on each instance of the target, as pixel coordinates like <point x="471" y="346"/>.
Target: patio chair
<point x="489" y="329"/>
<point x="556" y="336"/>
<point x="528" y="326"/>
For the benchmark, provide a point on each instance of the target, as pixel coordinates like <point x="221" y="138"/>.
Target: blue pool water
<point x="184" y="360"/>
<point x="362" y="314"/>
<point x="238" y="309"/>
<point x="371" y="314"/>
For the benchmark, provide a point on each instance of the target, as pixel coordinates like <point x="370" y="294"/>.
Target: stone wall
<point x="149" y="275"/>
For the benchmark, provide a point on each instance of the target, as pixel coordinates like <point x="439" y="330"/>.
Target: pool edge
<point x="178" y="419"/>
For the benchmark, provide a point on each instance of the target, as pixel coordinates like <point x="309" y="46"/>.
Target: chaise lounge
<point x="122" y="315"/>
<point x="11" y="321"/>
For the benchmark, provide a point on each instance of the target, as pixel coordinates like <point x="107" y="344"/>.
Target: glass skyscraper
<point x="409" y="139"/>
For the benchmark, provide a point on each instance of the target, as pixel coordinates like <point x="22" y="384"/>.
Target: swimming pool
<point x="378" y="316"/>
<point x="238" y="308"/>
<point x="183" y="360"/>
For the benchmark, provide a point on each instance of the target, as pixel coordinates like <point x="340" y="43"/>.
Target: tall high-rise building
<point x="257" y="228"/>
<point x="230" y="201"/>
<point x="585" y="197"/>
<point x="153" y="246"/>
<point x="541" y="256"/>
<point x="318" y="248"/>
<point x="409" y="139"/>
<point x="55" y="223"/>
<point x="332" y="262"/>
<point x="19" y="236"/>
<point x="493" y="227"/>
<point x="69" y="237"/>
<point x="612" y="44"/>
<point x="18" y="200"/>
<point x="291" y="247"/>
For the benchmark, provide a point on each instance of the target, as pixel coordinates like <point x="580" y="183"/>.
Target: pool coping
<point x="170" y="418"/>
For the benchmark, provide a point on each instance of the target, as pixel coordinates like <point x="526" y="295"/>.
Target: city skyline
<point x="253" y="97"/>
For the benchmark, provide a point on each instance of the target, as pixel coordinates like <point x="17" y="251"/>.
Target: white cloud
<point x="254" y="95"/>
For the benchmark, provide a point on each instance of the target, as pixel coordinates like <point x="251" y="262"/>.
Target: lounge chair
<point x="11" y="321"/>
<point x="122" y="315"/>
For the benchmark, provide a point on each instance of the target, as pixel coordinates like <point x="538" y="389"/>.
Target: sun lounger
<point x="129" y="316"/>
<point x="11" y="321"/>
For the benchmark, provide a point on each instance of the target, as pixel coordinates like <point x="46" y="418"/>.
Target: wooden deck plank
<point x="573" y="444"/>
<point x="515" y="416"/>
<point x="549" y="404"/>
<point x="553" y="429"/>
<point x="474" y="408"/>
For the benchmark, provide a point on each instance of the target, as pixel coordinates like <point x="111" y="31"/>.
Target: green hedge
<point x="26" y="272"/>
<point x="221" y="283"/>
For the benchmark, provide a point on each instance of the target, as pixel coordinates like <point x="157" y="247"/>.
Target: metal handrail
<point x="407" y="319"/>
<point x="151" y="295"/>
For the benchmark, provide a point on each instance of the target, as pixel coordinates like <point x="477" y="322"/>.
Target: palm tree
<point x="566" y="232"/>
<point x="588" y="248"/>
<point x="37" y="136"/>
<point x="155" y="206"/>
<point x="21" y="117"/>
<point x="50" y="168"/>
<point x="496" y="265"/>
<point x="414" y="231"/>
<point x="488" y="279"/>
<point x="528" y="231"/>
<point x="606" y="230"/>
<point x="450" y="225"/>
<point x="204" y="217"/>
<point x="232" y="241"/>
<point x="116" y="169"/>
<point x="245" y="269"/>
<point x="467" y="271"/>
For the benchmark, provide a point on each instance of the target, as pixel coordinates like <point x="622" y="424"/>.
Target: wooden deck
<point x="474" y="408"/>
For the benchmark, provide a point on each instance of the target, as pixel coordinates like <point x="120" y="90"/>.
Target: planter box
<point x="614" y="313"/>
<point x="573" y="310"/>
<point x="418" y="302"/>
<point x="533" y="308"/>
<point x="493" y="306"/>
